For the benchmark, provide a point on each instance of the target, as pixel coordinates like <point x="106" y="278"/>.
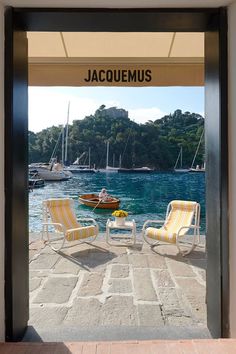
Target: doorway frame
<point x="18" y="21"/>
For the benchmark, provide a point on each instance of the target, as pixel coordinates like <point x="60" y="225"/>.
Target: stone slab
<point x="84" y="312"/>
<point x="119" y="271"/>
<point x="44" y="261"/>
<point x="56" y="290"/>
<point x="138" y="261"/>
<point x="170" y="300"/>
<point x="121" y="259"/>
<point x="181" y="269"/>
<point x="182" y="320"/>
<point x="38" y="273"/>
<point x="119" y="311"/>
<point x="34" y="284"/>
<point x="65" y="266"/>
<point x="156" y="261"/>
<point x="120" y="286"/>
<point x="143" y="287"/>
<point x="91" y="284"/>
<point x="163" y="278"/>
<point x="46" y="315"/>
<point x="150" y="315"/>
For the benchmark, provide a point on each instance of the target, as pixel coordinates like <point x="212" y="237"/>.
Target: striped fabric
<point x="181" y="214"/>
<point x="60" y="211"/>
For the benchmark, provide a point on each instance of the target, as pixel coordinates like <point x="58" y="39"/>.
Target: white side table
<point x="128" y="225"/>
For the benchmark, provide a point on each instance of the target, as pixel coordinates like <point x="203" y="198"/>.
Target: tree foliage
<point x="155" y="144"/>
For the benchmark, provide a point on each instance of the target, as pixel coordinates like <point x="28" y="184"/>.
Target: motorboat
<point x="92" y="200"/>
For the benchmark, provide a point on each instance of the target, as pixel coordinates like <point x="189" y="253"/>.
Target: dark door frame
<point x="211" y="21"/>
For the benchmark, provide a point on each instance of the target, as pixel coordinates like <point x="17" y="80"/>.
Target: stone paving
<point x="102" y="285"/>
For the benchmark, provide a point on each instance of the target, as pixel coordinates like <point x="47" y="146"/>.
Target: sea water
<point x="144" y="196"/>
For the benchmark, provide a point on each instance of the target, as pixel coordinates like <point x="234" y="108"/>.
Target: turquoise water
<point x="144" y="196"/>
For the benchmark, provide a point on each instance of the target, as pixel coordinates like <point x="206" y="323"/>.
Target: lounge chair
<point x="181" y="217"/>
<point x="59" y="216"/>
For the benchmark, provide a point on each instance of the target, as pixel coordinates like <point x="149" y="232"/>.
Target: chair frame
<point x="46" y="224"/>
<point x="195" y="226"/>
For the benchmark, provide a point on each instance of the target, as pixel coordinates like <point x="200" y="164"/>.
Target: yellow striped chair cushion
<point x="181" y="214"/>
<point x="61" y="211"/>
<point x="83" y="232"/>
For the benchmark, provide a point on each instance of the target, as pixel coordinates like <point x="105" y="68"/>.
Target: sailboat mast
<point x="62" y="147"/>
<point x="89" y="157"/>
<point x="176" y="163"/>
<point x="181" y="157"/>
<point x="67" y="126"/>
<point x="197" y="149"/>
<point x="107" y="154"/>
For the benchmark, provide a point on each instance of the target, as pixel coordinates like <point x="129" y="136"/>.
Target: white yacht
<point x="49" y="172"/>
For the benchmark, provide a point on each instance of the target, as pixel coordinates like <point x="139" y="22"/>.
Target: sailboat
<point x="77" y="167"/>
<point x="197" y="168"/>
<point x="109" y="168"/>
<point x="180" y="159"/>
<point x="53" y="171"/>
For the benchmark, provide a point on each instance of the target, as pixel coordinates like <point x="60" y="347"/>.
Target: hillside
<point x="154" y="144"/>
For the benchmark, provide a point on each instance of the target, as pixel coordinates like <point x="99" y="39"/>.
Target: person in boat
<point x="57" y="167"/>
<point x="103" y="195"/>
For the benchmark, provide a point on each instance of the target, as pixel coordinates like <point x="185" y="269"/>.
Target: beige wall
<point x="232" y="164"/>
<point x="1" y="174"/>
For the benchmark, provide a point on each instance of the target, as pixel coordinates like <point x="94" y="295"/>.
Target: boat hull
<point x="50" y="175"/>
<point x="36" y="183"/>
<point x="199" y="170"/>
<point x="92" y="201"/>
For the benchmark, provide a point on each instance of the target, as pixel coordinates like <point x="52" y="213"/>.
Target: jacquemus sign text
<point x="119" y="76"/>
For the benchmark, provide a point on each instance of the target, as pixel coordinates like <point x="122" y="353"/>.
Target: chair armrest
<point x="188" y="227"/>
<point x="90" y="220"/>
<point x="152" y="222"/>
<point x="54" y="224"/>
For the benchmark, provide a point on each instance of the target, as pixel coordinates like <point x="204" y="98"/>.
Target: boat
<point x="143" y="169"/>
<point x="49" y="172"/>
<point x="198" y="168"/>
<point x="77" y="167"/>
<point x="92" y="200"/>
<point x="36" y="183"/>
<point x="109" y="168"/>
<point x="180" y="159"/>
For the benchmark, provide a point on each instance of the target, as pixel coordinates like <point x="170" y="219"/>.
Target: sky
<point x="48" y="106"/>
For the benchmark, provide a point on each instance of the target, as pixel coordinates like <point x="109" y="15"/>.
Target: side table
<point x="128" y="225"/>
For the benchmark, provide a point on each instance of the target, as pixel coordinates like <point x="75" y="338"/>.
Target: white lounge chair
<point x="181" y="217"/>
<point x="59" y="215"/>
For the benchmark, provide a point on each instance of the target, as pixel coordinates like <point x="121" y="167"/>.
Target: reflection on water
<point x="144" y="196"/>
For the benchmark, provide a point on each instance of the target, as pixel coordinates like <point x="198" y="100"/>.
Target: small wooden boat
<point x="93" y="201"/>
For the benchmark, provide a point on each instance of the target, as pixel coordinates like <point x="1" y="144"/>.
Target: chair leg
<point x="57" y="249"/>
<point x="151" y="243"/>
<point x="185" y="253"/>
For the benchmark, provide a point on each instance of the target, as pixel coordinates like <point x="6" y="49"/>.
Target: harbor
<point x="143" y="196"/>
